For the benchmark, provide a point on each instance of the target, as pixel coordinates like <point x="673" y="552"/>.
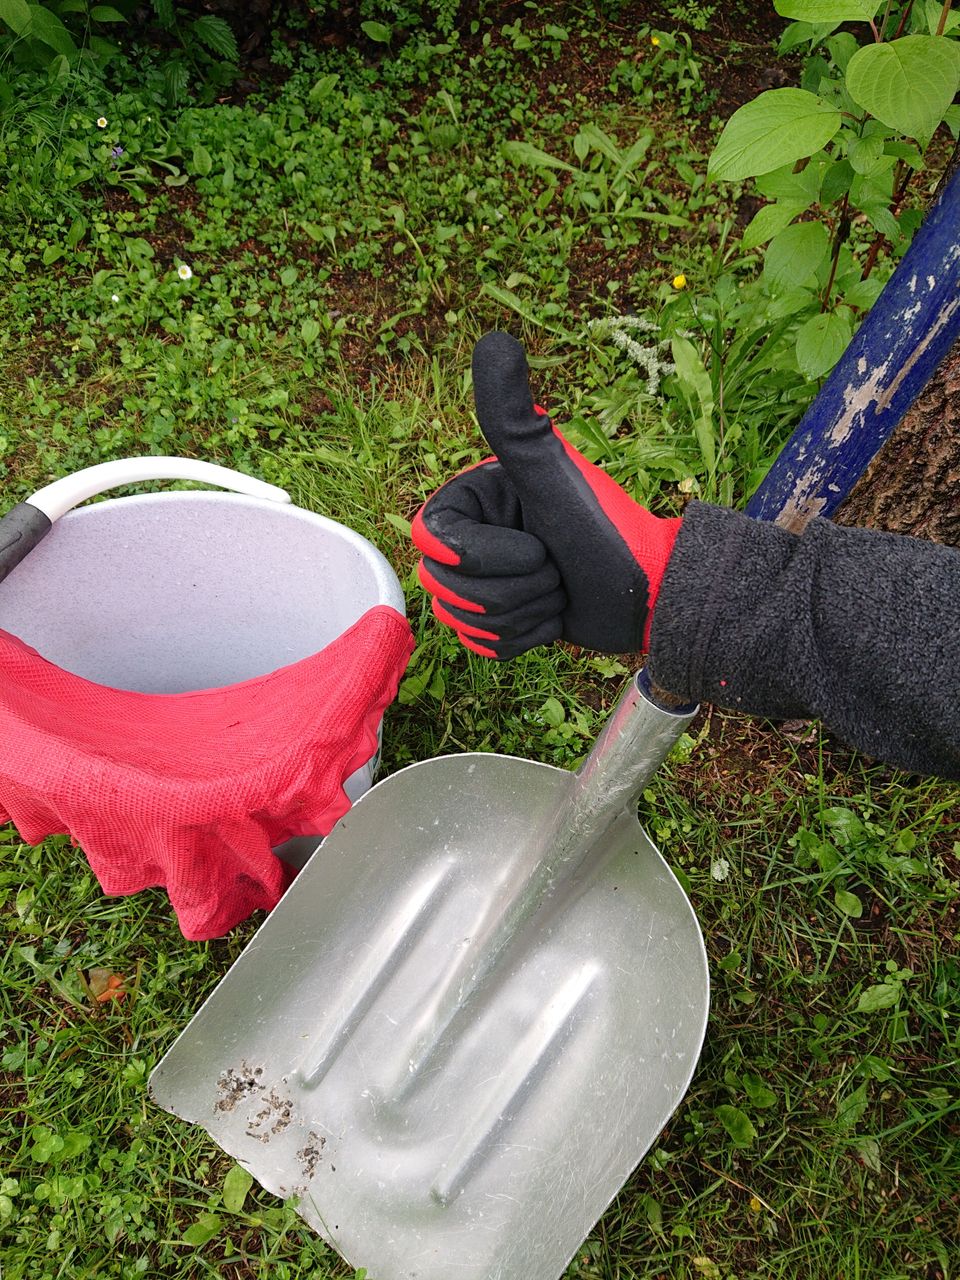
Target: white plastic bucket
<point x="164" y="593"/>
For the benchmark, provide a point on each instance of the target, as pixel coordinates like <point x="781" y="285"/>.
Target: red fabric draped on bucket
<point x="190" y="791"/>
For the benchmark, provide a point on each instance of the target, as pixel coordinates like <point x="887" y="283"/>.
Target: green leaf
<point x="883" y="995"/>
<point x="507" y="298"/>
<point x="526" y="153"/>
<point x="881" y="218"/>
<point x="737" y="1124"/>
<point x="905" y="151"/>
<point x="784" y="184"/>
<point x="288" y="276"/>
<point x="905" y="842"/>
<point x="203" y="1230"/>
<point x="324" y="87"/>
<point x="863" y="293"/>
<point x="776" y="128"/>
<point x="794" y="255"/>
<point x="843" y="822"/>
<point x="49" y="30"/>
<point x="798" y="33"/>
<point x="78" y="229"/>
<point x="16" y="14"/>
<point x="848" y="903"/>
<point x="821" y="342"/>
<point x="934" y="12"/>
<point x="868" y="1149"/>
<point x="842" y="47"/>
<point x="235" y="1187"/>
<point x="851" y="1109"/>
<point x="770" y="220"/>
<point x="757" y="1091"/>
<point x="105" y="13"/>
<point x="310" y="330"/>
<point x="865" y="152"/>
<point x="217" y="35"/>
<point x="828" y="10"/>
<point x="377" y="31"/>
<point x="652" y="1211"/>
<point x="398" y="522"/>
<point x="601" y="142"/>
<point x="698" y="391"/>
<point x="552" y="713"/>
<point x="907" y="84"/>
<point x="202" y="161"/>
<point x="836" y="181"/>
<point x="176" y="77"/>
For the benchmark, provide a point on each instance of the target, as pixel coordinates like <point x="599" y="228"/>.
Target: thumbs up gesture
<point x="537" y="544"/>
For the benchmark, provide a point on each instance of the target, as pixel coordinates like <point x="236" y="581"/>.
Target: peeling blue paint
<point x="888" y="363"/>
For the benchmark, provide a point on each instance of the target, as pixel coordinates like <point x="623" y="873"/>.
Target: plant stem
<point x="899" y="192"/>
<point x="944" y="14"/>
<point x="885" y="19"/>
<point x="904" y="19"/>
<point x="843" y="230"/>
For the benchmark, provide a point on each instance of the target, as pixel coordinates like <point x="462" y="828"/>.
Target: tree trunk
<point x="913" y="484"/>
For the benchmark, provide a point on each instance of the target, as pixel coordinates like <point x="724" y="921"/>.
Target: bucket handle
<point x="27" y="523"/>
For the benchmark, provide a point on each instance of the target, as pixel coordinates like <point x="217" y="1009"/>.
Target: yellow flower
<point x="184" y="272"/>
<point x="102" y="122"/>
<point x="680" y="281"/>
<point x="655" y="41"/>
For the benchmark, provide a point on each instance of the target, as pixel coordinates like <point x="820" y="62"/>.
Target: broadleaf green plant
<point x="837" y="155"/>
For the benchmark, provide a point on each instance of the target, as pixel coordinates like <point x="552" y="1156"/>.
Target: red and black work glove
<point x="537" y="544"/>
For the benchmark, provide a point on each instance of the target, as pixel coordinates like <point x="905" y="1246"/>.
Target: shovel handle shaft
<point x="634" y="743"/>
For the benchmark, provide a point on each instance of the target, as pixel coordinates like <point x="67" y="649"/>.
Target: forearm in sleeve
<point x="857" y="628"/>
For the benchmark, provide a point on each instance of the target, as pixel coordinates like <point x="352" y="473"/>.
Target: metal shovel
<point x="468" y="1019"/>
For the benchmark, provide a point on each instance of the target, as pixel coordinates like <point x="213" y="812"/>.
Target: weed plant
<point x="290" y="281"/>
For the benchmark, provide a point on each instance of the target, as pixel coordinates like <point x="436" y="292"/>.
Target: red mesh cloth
<point x="190" y="791"/>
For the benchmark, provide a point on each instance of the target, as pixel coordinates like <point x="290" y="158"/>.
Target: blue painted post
<point x="908" y="331"/>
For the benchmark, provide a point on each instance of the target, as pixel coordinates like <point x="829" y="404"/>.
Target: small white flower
<point x="184" y="272"/>
<point x="114" y="297"/>
<point x="720" y="869"/>
<point x="102" y="122"/>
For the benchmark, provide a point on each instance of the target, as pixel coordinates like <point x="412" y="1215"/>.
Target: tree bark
<point x="913" y="484"/>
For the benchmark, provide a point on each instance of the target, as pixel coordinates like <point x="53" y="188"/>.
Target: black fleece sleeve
<point x="857" y="628"/>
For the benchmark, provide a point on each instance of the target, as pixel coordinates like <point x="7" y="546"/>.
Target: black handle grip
<point x="20" y="530"/>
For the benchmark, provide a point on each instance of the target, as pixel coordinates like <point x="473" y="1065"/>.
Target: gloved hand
<point x="537" y="544"/>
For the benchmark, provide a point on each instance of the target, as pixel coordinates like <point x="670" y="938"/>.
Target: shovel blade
<point x="490" y="1155"/>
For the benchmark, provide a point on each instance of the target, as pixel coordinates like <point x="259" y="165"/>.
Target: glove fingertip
<point x="469" y="642"/>
<point x="428" y="542"/>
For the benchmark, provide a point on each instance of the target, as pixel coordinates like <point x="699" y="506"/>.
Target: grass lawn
<point x="287" y="276"/>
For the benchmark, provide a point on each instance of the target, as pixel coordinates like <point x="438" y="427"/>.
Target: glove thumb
<point x="610" y="552"/>
<point x="520" y="437"/>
